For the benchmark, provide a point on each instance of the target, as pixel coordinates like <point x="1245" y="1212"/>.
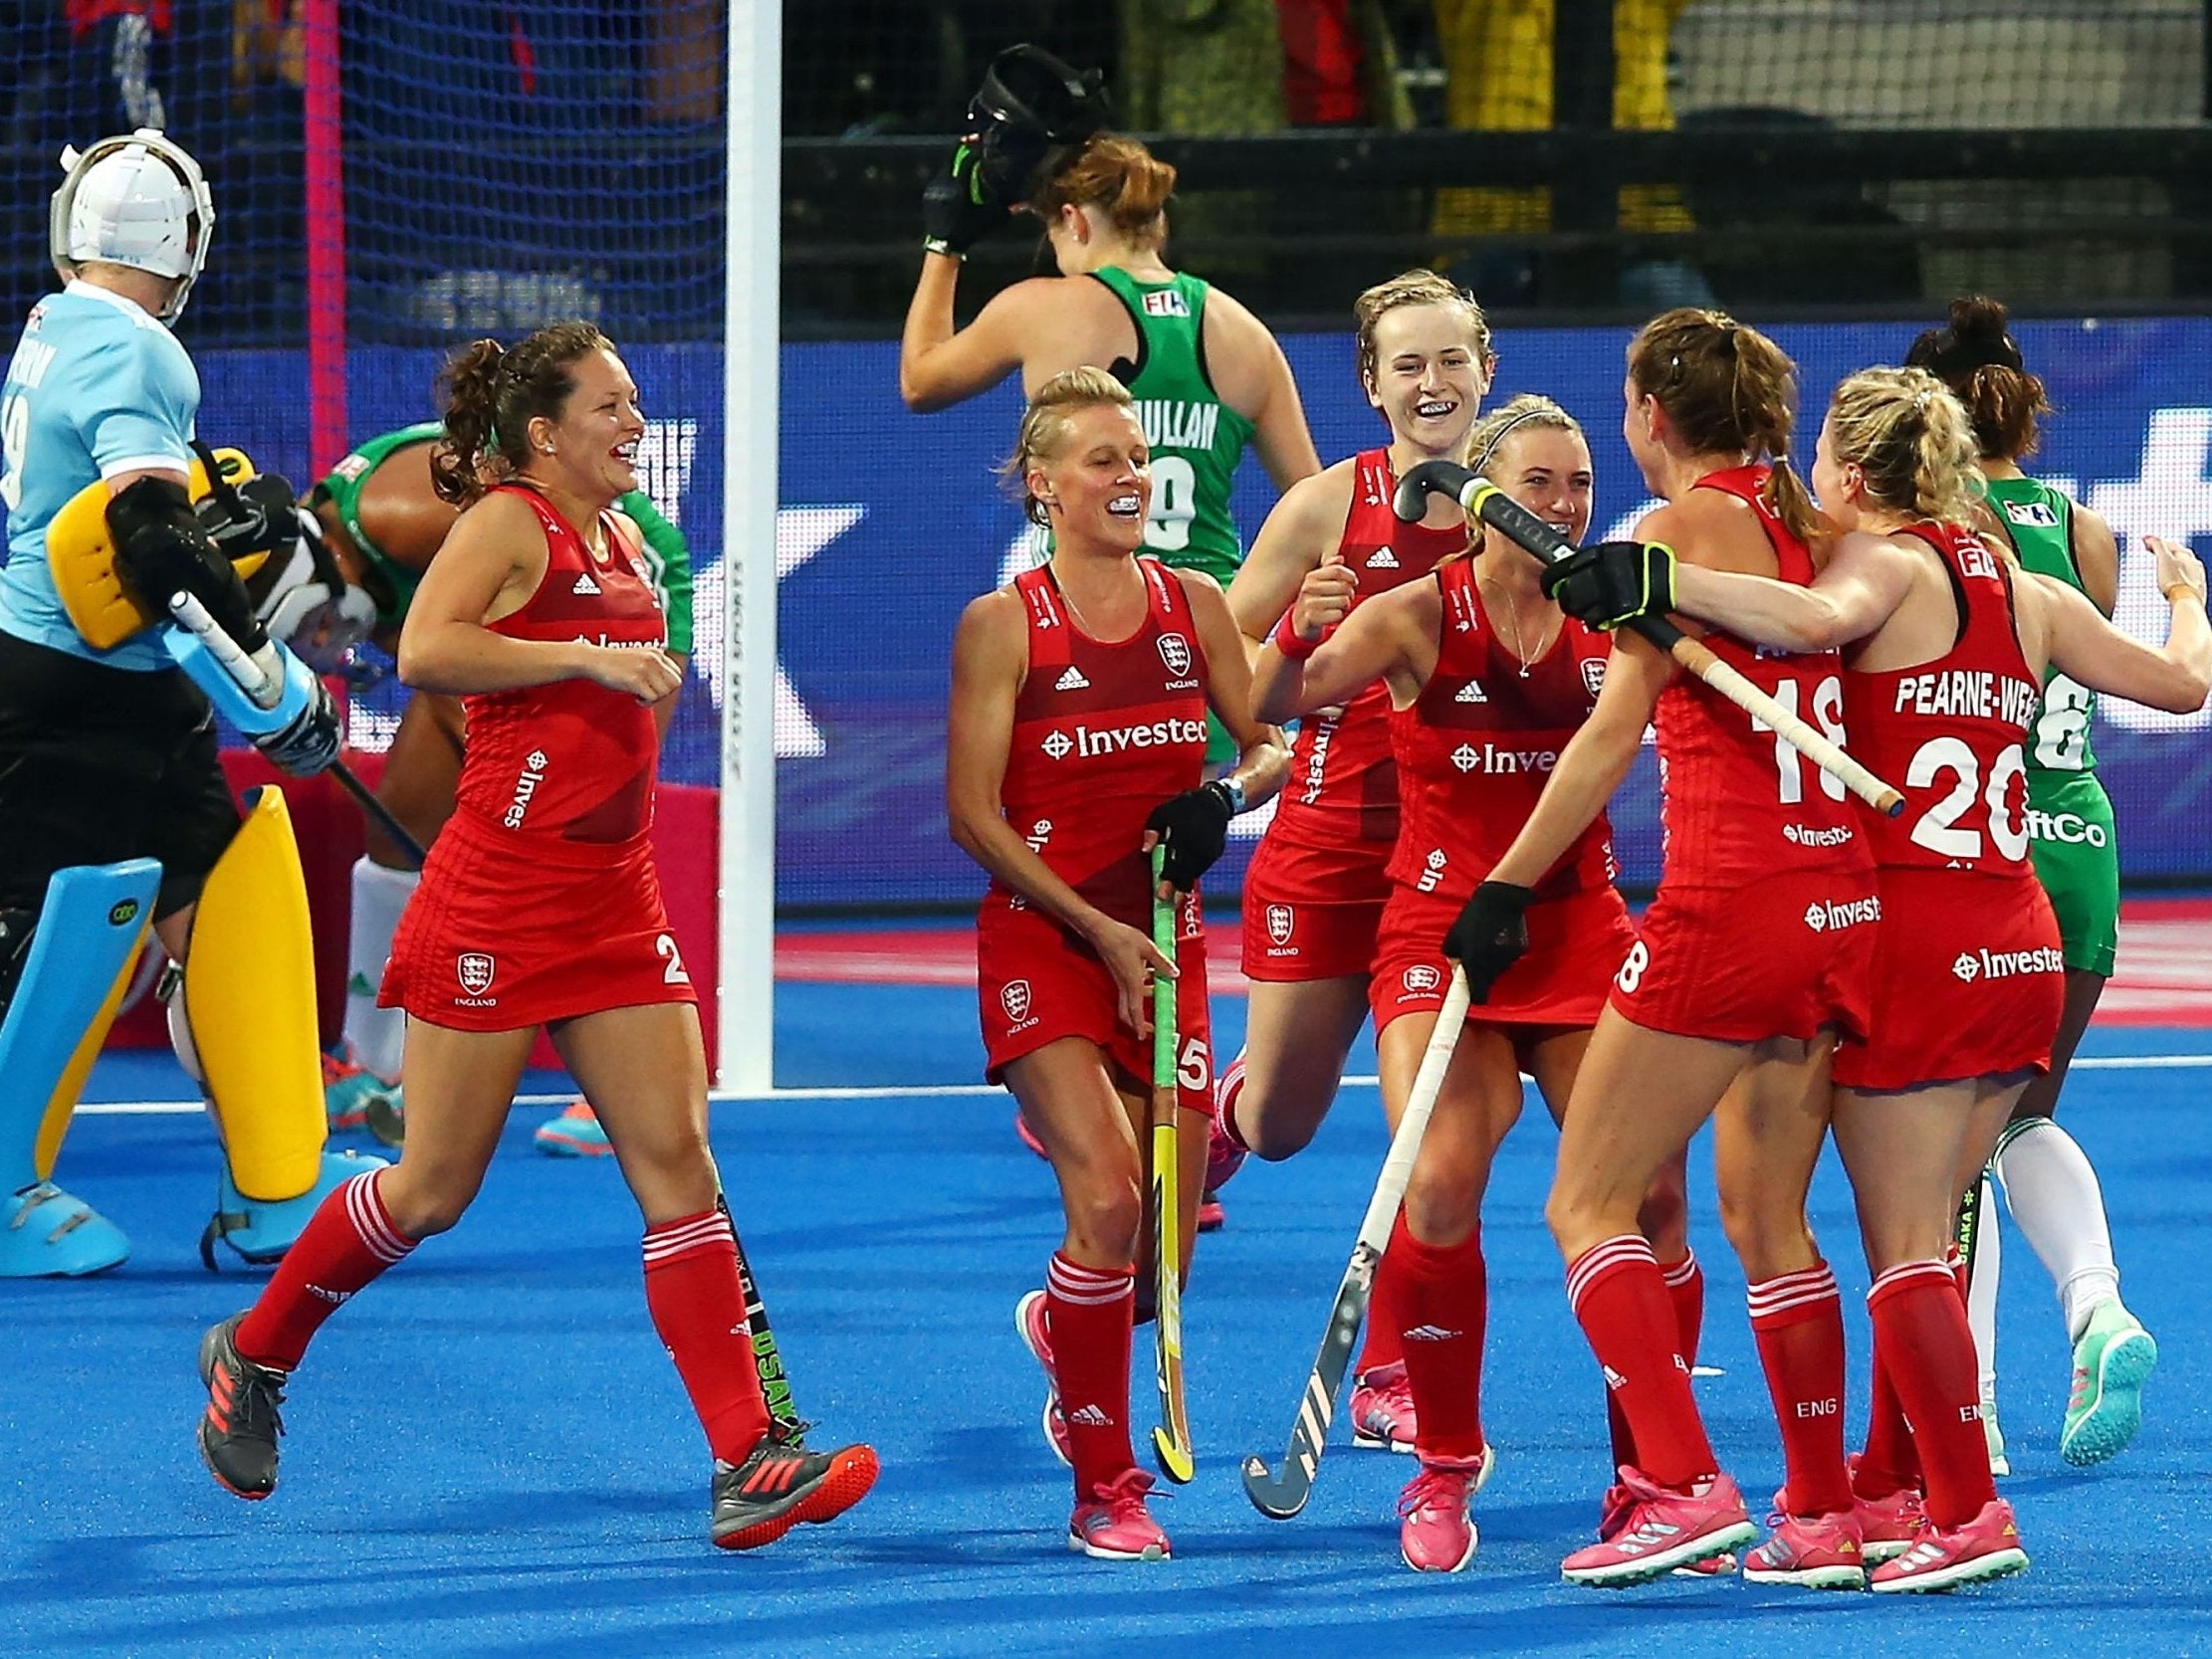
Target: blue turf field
<point x="488" y="1454"/>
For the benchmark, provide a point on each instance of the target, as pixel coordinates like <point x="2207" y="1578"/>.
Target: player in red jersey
<point x="541" y="907"/>
<point x="1755" y="948"/>
<point x="1313" y="895"/>
<point x="1485" y="683"/>
<point x="1076" y="741"/>
<point x="1945" y="647"/>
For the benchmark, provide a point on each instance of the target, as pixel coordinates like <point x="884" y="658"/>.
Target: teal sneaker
<point x="349" y="1090"/>
<point x="574" y="1133"/>
<point x="2110" y="1364"/>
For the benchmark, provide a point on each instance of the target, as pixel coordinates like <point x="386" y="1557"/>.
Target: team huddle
<point x="1871" y="715"/>
<point x="1895" y="976"/>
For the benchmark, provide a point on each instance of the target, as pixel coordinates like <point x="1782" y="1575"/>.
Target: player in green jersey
<point x="384" y="524"/>
<point x="1208" y="379"/>
<point x="2048" y="1185"/>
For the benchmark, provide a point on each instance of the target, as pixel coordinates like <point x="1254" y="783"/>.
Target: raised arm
<point x="2176" y="676"/>
<point x="1264" y="759"/>
<point x="940" y="365"/>
<point x="1298" y="533"/>
<point x="1392" y="637"/>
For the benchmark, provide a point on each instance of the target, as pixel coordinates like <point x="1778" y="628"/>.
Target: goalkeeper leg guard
<point x="62" y="979"/>
<point x="244" y="1023"/>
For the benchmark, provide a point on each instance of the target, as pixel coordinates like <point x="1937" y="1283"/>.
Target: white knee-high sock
<point x="2053" y="1194"/>
<point x="378" y="1035"/>
<point x="1981" y="1288"/>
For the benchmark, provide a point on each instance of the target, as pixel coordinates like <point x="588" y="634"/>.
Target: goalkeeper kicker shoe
<point x="239" y="1430"/>
<point x="779" y="1487"/>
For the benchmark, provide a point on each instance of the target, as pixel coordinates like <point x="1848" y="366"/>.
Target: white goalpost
<point x="745" y="1018"/>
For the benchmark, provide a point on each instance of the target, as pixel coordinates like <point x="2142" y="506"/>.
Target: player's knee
<point x="1767" y="1231"/>
<point x="1276" y="1129"/>
<point x="1441" y="1214"/>
<point x="422" y="1204"/>
<point x="1106" y="1215"/>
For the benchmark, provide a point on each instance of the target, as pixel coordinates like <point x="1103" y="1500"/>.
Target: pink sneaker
<point x="1813" y="1552"/>
<point x="1212" y="1217"/>
<point x="1613" y="1514"/>
<point x="1436" y="1533"/>
<point x="1660" y="1529"/>
<point x="1888" y="1526"/>
<point x="1113" y="1525"/>
<point x="1029" y="1319"/>
<point x="1987" y="1546"/>
<point x="1028" y="1136"/>
<point x="1223" y="1157"/>
<point x="1383" y="1409"/>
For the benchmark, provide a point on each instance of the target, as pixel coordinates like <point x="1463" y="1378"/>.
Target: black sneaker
<point x="238" y="1433"/>
<point x="759" y="1500"/>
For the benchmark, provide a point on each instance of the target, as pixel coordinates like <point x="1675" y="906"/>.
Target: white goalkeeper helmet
<point x="136" y="200"/>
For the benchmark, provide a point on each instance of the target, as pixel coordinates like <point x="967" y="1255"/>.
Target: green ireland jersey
<point x="2041" y="520"/>
<point x="1196" y="439"/>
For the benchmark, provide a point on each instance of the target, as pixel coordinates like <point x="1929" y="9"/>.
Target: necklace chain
<point x="1513" y="610"/>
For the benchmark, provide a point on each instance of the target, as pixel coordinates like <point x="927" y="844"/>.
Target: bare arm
<point x="490" y="566"/>
<point x="989" y="660"/>
<point x="2176" y="676"/>
<point x="1264" y="759"/>
<point x="1297" y="537"/>
<point x="939" y="366"/>
<point x="1592" y="764"/>
<point x="2096" y="557"/>
<point x="1866" y="579"/>
<point x="124" y="480"/>
<point x="1381" y="640"/>
<point x="1252" y="376"/>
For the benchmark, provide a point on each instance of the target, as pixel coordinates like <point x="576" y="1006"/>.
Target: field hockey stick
<point x="1284" y="1495"/>
<point x="1171" y="1441"/>
<point x="192" y="616"/>
<point x="786" y="1424"/>
<point x="1481" y="498"/>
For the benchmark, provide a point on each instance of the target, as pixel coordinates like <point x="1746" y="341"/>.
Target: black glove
<point x="264" y="518"/>
<point x="959" y="208"/>
<point x="1611" y="583"/>
<point x="310" y="743"/>
<point x="1490" y="935"/>
<point x="1194" y="828"/>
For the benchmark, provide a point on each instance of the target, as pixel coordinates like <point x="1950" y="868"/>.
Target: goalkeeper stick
<point x="1171" y="1441"/>
<point x="1485" y="500"/>
<point x="1284" y="1495"/>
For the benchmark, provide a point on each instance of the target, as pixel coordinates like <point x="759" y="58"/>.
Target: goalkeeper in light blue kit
<point x="124" y="611"/>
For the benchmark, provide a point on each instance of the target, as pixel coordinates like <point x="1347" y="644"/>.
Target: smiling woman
<point x="1076" y="742"/>
<point x="541" y="906"/>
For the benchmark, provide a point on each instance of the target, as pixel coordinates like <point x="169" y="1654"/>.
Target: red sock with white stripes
<point x="1621" y="1302"/>
<point x="1447" y="1301"/>
<point x="347" y="1241"/>
<point x="698" y="1307"/>
<point x="1685" y="1289"/>
<point x="1088" y="1312"/>
<point x="1227" y="1088"/>
<point x="1798" y="1319"/>
<point x="1890" y="1463"/>
<point x="1387" y="1312"/>
<point x="1921" y="1334"/>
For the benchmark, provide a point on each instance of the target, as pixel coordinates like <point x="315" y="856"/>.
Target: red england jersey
<point x="572" y="758"/>
<point x="1104" y="731"/>
<point x="1343" y="783"/>
<point x="1475" y="750"/>
<point x="1952" y="732"/>
<point x="1739" y="803"/>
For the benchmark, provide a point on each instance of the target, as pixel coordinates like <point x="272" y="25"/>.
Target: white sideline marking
<point x="959" y="1091"/>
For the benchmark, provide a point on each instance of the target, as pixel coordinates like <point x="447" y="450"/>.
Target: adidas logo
<point x="1071" y="680"/>
<point x="1429" y="1334"/>
<point x="1382" y="558"/>
<point x="1090" y="1417"/>
<point x="1472" y="692"/>
<point x="584" y="583"/>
